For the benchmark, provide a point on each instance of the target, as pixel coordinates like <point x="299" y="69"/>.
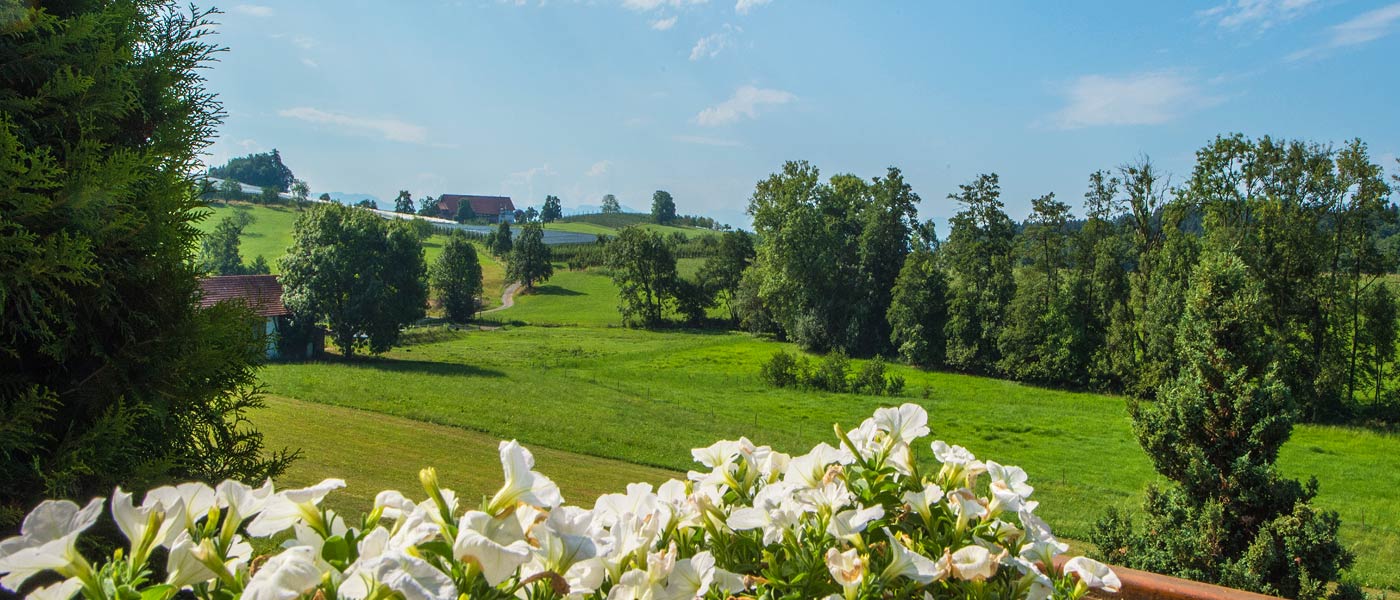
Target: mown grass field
<point x="374" y="452"/>
<point x="646" y="398"/>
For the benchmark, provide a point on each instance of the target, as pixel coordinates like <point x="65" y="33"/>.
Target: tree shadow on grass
<point x="554" y="290"/>
<point x="422" y="367"/>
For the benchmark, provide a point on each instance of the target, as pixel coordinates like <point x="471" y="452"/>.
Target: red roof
<point x="263" y="293"/>
<point x="481" y="205"/>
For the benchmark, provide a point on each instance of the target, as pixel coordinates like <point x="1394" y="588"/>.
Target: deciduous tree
<point x="456" y="276"/>
<point x="610" y="205"/>
<point x="530" y="259"/>
<point x="644" y="270"/>
<point x="360" y="275"/>
<point x="663" y="207"/>
<point x="553" y="210"/>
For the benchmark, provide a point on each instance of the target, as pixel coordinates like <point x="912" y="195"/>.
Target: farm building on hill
<point x="263" y="294"/>
<point x="492" y="208"/>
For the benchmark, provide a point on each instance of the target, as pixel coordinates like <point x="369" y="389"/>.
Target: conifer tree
<point x="1227" y="516"/>
<point x="110" y="373"/>
<point x="978" y="255"/>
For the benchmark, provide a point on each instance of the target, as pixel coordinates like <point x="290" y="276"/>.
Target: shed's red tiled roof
<point x="481" y="205"/>
<point x="263" y="293"/>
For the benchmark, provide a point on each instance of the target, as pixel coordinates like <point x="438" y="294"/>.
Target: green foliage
<point x="218" y="252"/>
<point x="500" y="242"/>
<point x="783" y="370"/>
<point x="464" y="213"/>
<point x="111" y="374"/>
<point x="428" y="207"/>
<point x="723" y="271"/>
<point x="1038" y="342"/>
<point x="644" y="271"/>
<point x="610" y="205"/>
<point x="1215" y="432"/>
<point x="663" y="207"/>
<point x="829" y="254"/>
<point x="553" y="210"/>
<point x="830" y="374"/>
<point x="978" y="256"/>
<point x="918" y="310"/>
<point x="262" y="170"/>
<point x="530" y="259"/>
<point x="404" y="203"/>
<point x="269" y="195"/>
<point x="360" y="275"/>
<point x="457" y="278"/>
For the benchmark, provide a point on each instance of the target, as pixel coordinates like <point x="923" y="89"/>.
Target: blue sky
<point x="704" y="98"/>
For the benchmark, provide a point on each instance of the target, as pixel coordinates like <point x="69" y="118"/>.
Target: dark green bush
<point x="870" y="379"/>
<point x="830" y="374"/>
<point x="781" y="370"/>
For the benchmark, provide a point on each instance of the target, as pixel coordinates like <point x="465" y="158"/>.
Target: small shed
<point x="263" y="294"/>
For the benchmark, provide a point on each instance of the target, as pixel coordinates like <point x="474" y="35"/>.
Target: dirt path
<point x="507" y="298"/>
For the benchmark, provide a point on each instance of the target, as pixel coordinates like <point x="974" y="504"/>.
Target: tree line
<point x="1091" y="302"/>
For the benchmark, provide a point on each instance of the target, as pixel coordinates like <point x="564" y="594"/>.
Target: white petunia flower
<point x="973" y="563"/>
<point x="847" y="568"/>
<point x="905" y="424"/>
<point x="289" y="507"/>
<point x="848" y="524"/>
<point x="63" y="590"/>
<point x="1009" y="478"/>
<point x="922" y="501"/>
<point x="904" y="563"/>
<point x="47" y="541"/>
<point x="413" y="577"/>
<point x="286" y="576"/>
<point x="135" y="522"/>
<point x="523" y="485"/>
<point x="197" y="500"/>
<point x="493" y="545"/>
<point x="1094" y="574"/>
<point x="809" y="470"/>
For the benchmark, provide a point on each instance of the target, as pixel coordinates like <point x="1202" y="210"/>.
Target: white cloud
<point x="744" y="103"/>
<point x="744" y="6"/>
<point x="388" y="128"/>
<point x="1361" y="29"/>
<point x="249" y="144"/>
<point x="253" y="10"/>
<point x="1141" y="99"/>
<point x="528" y="176"/>
<point x="664" y="24"/>
<point x="310" y="63"/>
<point x="705" y="141"/>
<point x="647" y="5"/>
<point x="1258" y="14"/>
<point x="599" y="168"/>
<point x="711" y="45"/>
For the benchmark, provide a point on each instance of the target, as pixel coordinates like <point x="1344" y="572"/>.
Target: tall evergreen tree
<point x="1099" y="253"/>
<point x="978" y="256"/>
<point x="404" y="203"/>
<point x="110" y="373"/>
<point x="1215" y="432"/>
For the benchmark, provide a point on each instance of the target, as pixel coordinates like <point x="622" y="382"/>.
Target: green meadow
<point x="601" y="405"/>
<point x="645" y="398"/>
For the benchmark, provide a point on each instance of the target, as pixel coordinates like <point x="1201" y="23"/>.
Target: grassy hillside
<point x="647" y="397"/>
<point x="271" y="233"/>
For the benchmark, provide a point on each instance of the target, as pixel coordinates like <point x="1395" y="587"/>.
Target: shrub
<point x="781" y="370"/>
<point x="894" y="385"/>
<point x="850" y="523"/>
<point x="830" y="374"/>
<point x="870" y="379"/>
